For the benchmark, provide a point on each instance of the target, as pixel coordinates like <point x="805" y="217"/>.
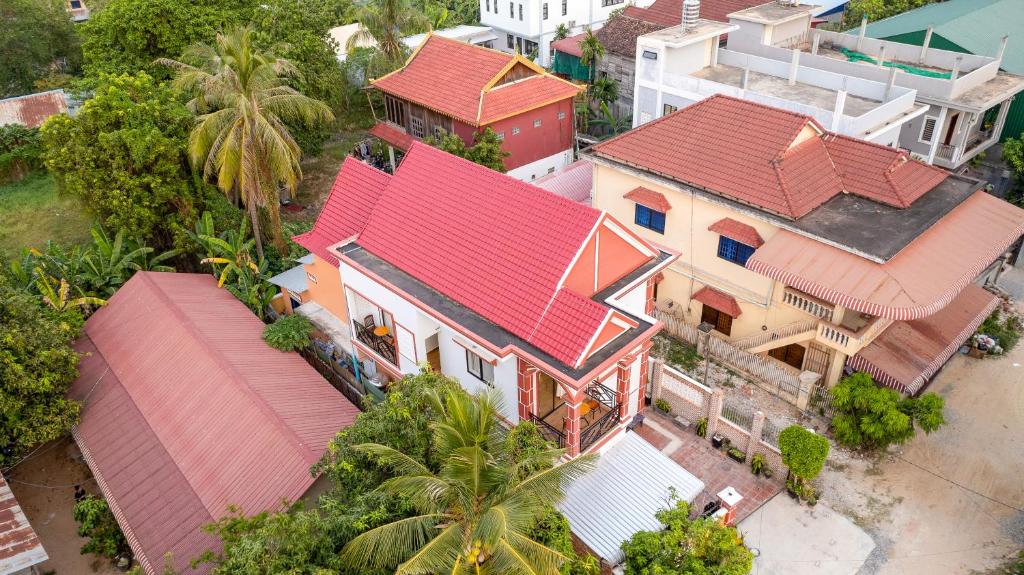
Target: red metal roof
<point x="458" y="79"/>
<point x="392" y="135"/>
<point x="570" y="45"/>
<point x="919" y="281"/>
<point x="670" y="12"/>
<point x="353" y="195"/>
<point x="719" y="300"/>
<point x="187" y="411"/>
<point x="32" y="110"/>
<point x="649" y="198"/>
<point x="909" y="353"/>
<point x="20" y="547"/>
<point x="573" y="181"/>
<point x="739" y="231"/>
<point x="755" y="154"/>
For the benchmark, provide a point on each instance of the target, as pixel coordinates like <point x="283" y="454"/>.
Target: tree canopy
<point x="803" y="451"/>
<point x="875" y="417"/>
<point x="878" y="9"/>
<point x="486" y="149"/>
<point x="38" y="40"/>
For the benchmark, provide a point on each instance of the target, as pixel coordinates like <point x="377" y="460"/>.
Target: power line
<point x="961" y="486"/>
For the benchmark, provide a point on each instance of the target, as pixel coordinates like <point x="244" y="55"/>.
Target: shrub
<point x="702" y="427"/>
<point x="803" y="452"/>
<point x="663" y="405"/>
<point x="21" y="152"/>
<point x="288" y="333"/>
<point x="873" y="417"/>
<point x="686" y="547"/>
<point x="758" y="464"/>
<point x="96" y="522"/>
<point x="1005" y="328"/>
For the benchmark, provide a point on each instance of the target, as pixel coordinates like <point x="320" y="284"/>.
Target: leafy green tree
<point x="387" y="22"/>
<point x="875" y="417"/>
<point x="561" y="32"/>
<point x="241" y="140"/>
<point x="486" y="149"/>
<point x="97" y="522"/>
<point x="604" y="90"/>
<point x="474" y="513"/>
<point x="123" y="155"/>
<point x="21" y="152"/>
<point x="38" y="38"/>
<point x="878" y="9"/>
<point x="609" y="123"/>
<point x="37" y="365"/>
<point x="289" y="333"/>
<point x="804" y="453"/>
<point x="591" y="52"/>
<point x="687" y="547"/>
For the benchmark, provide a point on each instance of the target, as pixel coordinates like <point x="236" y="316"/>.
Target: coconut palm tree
<point x="561" y="32"/>
<point x="591" y="52"/>
<point x="473" y="514"/>
<point x="240" y="139"/>
<point x="604" y="90"/>
<point x="386" y="22"/>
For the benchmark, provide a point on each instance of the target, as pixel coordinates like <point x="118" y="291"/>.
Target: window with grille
<point x="561" y="115"/>
<point x="733" y="251"/>
<point x="416" y="126"/>
<point x="668" y="109"/>
<point x="395" y="111"/>
<point x="565" y="8"/>
<point x="515" y="131"/>
<point x="479" y="368"/>
<point x="536" y="123"/>
<point x="545" y="11"/>
<point x="520" y="12"/>
<point x="651" y="219"/>
<point x="611" y="2"/>
<point x="928" y="129"/>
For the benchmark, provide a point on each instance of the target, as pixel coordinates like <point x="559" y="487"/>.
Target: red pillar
<point x="623" y="369"/>
<point x="527" y="384"/>
<point x="573" y="402"/>
<point x="645" y="354"/>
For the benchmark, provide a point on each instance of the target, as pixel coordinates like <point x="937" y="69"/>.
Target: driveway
<point x="950" y="502"/>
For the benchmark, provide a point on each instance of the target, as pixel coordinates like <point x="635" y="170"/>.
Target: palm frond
<point x="393" y="458"/>
<point x="393" y="543"/>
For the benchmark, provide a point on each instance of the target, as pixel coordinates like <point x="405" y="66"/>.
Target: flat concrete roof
<point x="675" y="36"/>
<point x="802" y="93"/>
<point x="772" y="13"/>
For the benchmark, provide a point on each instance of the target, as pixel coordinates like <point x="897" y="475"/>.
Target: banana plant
<point x="57" y="294"/>
<point x="110" y="262"/>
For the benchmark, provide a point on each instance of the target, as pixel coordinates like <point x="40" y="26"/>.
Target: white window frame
<point x="536" y="123"/>
<point x="515" y="131"/>
<point x="480" y="368"/>
<point x="920" y="137"/>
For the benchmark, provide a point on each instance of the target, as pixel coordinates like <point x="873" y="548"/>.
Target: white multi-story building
<point x="530" y="25"/>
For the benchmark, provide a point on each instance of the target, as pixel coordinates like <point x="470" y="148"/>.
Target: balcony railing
<point x="596" y="430"/>
<point x="808" y="304"/>
<point x="382" y="345"/>
<point x="945" y="152"/>
<point x="547" y="430"/>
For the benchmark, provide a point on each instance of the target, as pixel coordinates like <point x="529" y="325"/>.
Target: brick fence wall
<point x="693" y="402"/>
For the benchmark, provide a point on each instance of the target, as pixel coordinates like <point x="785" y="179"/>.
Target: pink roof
<point x="909" y="353"/>
<point x="492" y="243"/>
<point x="739" y="231"/>
<point x="649" y="198"/>
<point x="751" y="153"/>
<point x="20" y="547"/>
<point x="353" y="195"/>
<point x="573" y="181"/>
<point x="461" y="80"/>
<point x="570" y="45"/>
<point x="919" y="281"/>
<point x="32" y="110"/>
<point x="392" y="135"/>
<point x="670" y="12"/>
<point x="188" y="411"/>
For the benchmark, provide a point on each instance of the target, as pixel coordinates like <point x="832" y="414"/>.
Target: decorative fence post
<point x="715" y="403"/>
<point x="807" y="381"/>
<point x="756" y="428"/>
<point x="657" y="368"/>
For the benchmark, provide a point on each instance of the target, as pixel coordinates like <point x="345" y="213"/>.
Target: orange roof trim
<point x="721" y="301"/>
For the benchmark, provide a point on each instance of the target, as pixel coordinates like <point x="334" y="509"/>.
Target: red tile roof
<point x="570" y="45"/>
<point x="739" y="231"/>
<point x="721" y="301"/>
<point x="670" y="12"/>
<point x="909" y="353"/>
<point x="494" y="244"/>
<point x="459" y="80"/>
<point x="20" y="547"/>
<point x="353" y="195"/>
<point x="645" y="197"/>
<point x="187" y="411"/>
<point x="880" y="173"/>
<point x="919" y="281"/>
<point x="751" y="153"/>
<point x="568" y="326"/>
<point x="32" y="110"/>
<point x="392" y="135"/>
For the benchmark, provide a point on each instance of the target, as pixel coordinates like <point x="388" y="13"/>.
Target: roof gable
<point x="880" y="173"/>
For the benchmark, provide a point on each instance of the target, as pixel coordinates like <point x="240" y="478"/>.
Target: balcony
<point x="808" y="304"/>
<point x="849" y="335"/>
<point x="599" y="414"/>
<point x="378" y="339"/>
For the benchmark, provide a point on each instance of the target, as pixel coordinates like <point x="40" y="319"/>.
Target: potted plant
<point x="702" y="427"/>
<point x="663" y="406"/>
<point x="717" y="440"/>
<point x="792" y="489"/>
<point x="757" y="464"/>
<point x="737" y="455"/>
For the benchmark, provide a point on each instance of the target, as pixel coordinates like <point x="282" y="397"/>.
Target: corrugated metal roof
<point x="33" y="109"/>
<point x="293" y="280"/>
<point x="20" y="548"/>
<point x="630" y="483"/>
<point x="187" y="411"/>
<point x="573" y="181"/>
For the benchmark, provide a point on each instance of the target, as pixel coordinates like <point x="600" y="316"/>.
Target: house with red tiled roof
<point x="451" y="87"/>
<point x="809" y="251"/>
<point x="494" y="282"/>
<point x="188" y="415"/>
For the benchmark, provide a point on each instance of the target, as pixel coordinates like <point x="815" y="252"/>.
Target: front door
<point x="792" y="355"/>
<point x="721" y="320"/>
<point x="951" y="129"/>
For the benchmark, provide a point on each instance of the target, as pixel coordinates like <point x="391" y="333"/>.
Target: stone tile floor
<point x="713" y="467"/>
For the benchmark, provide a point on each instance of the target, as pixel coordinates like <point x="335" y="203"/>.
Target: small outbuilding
<point x="188" y="413"/>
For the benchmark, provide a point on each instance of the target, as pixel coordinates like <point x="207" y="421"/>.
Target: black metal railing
<point x="602" y="394"/>
<point x="547" y="430"/>
<point x="596" y="430"/>
<point x="382" y="345"/>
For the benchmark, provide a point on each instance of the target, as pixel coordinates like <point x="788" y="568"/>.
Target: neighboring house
<point x="188" y="412"/>
<point x="476" y="35"/>
<point x="528" y="26"/>
<point x="678" y="67"/>
<point x="573" y="181"/>
<point x="969" y="27"/>
<point x="20" y="548"/>
<point x="32" y="110"/>
<point x="811" y="248"/>
<point x="450" y="87"/>
<point x="496" y="283"/>
<point x="851" y="84"/>
<point x="78" y="10"/>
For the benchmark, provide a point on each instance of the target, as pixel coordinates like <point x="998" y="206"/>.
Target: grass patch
<point x="677" y="354"/>
<point x="1004" y="327"/>
<point x="32" y="212"/>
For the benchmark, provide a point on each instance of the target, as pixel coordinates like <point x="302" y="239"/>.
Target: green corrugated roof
<point x="977" y="25"/>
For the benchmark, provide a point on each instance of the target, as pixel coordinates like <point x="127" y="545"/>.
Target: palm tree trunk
<point x="275" y="222"/>
<point x="254" y="217"/>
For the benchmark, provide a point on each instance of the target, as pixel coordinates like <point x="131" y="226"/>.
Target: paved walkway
<point x="713" y="467"/>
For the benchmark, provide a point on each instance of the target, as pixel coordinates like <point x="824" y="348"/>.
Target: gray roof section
<point x="630" y="483"/>
<point x="293" y="280"/>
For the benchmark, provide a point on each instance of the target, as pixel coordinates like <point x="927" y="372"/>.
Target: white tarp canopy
<point x="630" y="483"/>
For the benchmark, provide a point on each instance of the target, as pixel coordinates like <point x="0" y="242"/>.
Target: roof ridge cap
<point x="777" y="166"/>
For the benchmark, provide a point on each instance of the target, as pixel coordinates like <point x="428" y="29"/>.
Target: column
<point x="573" y="402"/>
<point x="527" y="376"/>
<point x="622" y="372"/>
<point x="756" y="428"/>
<point x="645" y="356"/>
<point x="714" y="411"/>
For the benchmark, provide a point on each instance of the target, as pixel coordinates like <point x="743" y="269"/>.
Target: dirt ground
<point x="948" y="503"/>
<point x="44" y="486"/>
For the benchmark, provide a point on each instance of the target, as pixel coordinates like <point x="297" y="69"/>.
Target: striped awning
<point x="919" y="281"/>
<point x="909" y="353"/>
